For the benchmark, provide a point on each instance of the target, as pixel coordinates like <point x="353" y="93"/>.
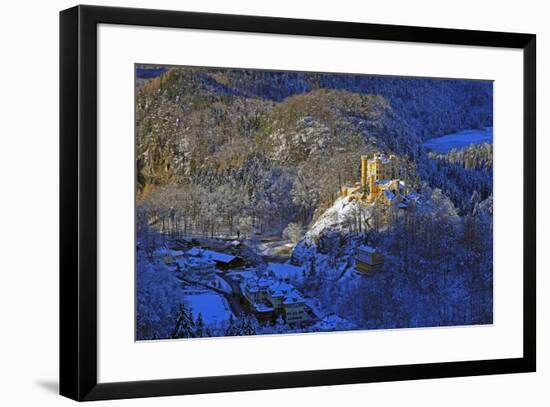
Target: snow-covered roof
<point x="216" y="256"/>
<point x="294" y="299"/>
<point x="195" y="251"/>
<point x="365" y="254"/>
<point x="383" y="159"/>
<point x="389" y="194"/>
<point x="366" y="258"/>
<point x="280" y="289"/>
<point x="262" y="307"/>
<point x="196" y="262"/>
<point x="276" y="289"/>
<point x="366" y="248"/>
<point x="265" y="282"/>
<point x="254" y="285"/>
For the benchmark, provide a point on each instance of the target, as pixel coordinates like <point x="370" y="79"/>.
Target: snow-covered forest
<point x="238" y="200"/>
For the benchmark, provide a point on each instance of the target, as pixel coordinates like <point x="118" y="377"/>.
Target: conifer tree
<point x="232" y="329"/>
<point x="248" y="326"/>
<point x="184" y="326"/>
<point x="199" y="326"/>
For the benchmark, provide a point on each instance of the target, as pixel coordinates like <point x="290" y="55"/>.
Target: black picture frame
<point x="78" y="202"/>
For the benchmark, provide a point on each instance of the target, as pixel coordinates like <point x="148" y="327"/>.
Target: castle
<point x="379" y="182"/>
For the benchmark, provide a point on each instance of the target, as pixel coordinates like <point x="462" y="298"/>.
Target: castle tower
<point x="364" y="164"/>
<point x="373" y="190"/>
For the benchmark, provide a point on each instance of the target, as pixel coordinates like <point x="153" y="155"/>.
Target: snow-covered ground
<point x="276" y="247"/>
<point x="335" y="218"/>
<point x="316" y="308"/>
<point x="459" y="140"/>
<point x="213" y="307"/>
<point x="285" y="271"/>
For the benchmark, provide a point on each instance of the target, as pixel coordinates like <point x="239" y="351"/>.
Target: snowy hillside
<point x="338" y="218"/>
<point x="328" y="236"/>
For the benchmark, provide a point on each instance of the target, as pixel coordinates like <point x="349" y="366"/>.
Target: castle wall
<point x="364" y="166"/>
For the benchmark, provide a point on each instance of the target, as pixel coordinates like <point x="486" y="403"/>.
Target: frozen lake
<point x="459" y="140"/>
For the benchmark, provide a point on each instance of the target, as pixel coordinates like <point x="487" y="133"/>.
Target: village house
<point x="168" y="256"/>
<point x="255" y="292"/>
<point x="268" y="297"/>
<point x="223" y="261"/>
<point x="197" y="268"/>
<point x="368" y="259"/>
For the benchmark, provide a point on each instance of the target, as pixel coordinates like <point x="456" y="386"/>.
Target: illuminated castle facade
<point x="379" y="181"/>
